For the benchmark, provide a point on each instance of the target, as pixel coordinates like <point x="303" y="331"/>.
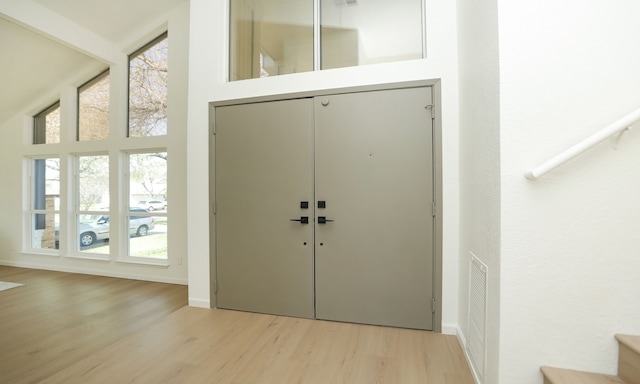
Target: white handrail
<point x="615" y="128"/>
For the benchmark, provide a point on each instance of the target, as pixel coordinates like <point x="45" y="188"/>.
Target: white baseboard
<point x="461" y="339"/>
<point x="463" y="344"/>
<point x="199" y="303"/>
<point x="450" y="329"/>
<point x="95" y="272"/>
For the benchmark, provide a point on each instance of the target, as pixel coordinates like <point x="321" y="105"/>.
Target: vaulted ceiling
<point x="43" y="42"/>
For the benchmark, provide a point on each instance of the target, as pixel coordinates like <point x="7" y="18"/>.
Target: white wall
<point x="207" y="83"/>
<point x="570" y="246"/>
<point x="480" y="163"/>
<point x="14" y="145"/>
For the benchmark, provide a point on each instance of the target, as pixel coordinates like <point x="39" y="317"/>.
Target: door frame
<point x="436" y="108"/>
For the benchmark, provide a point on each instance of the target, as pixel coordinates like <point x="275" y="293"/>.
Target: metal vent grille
<point x="477" y="315"/>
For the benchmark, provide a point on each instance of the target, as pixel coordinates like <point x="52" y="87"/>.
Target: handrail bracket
<point x="615" y="139"/>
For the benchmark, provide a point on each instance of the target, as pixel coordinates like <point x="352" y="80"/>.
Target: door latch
<point x="302" y="220"/>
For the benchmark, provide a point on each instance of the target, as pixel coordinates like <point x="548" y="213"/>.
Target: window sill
<point x="35" y="252"/>
<point x="82" y="256"/>
<point x="150" y="263"/>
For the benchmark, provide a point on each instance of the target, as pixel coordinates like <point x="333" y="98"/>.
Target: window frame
<point x="77" y="211"/>
<point x="68" y="150"/>
<point x="132" y="56"/>
<point x="40" y="125"/>
<point x="80" y="89"/>
<point x="129" y="214"/>
<point x="32" y="211"/>
<point x="317" y="40"/>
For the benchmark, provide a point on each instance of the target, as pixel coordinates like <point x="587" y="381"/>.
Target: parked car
<point x="96" y="227"/>
<point x="152" y="205"/>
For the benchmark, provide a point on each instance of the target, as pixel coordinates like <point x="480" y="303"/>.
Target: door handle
<point x="302" y="220"/>
<point x="323" y="220"/>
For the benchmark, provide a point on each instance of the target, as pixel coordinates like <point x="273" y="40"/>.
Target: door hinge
<point x="433" y="110"/>
<point x="214" y="207"/>
<point x="215" y="286"/>
<point x="433" y="208"/>
<point x="433" y="305"/>
<point x="213" y="128"/>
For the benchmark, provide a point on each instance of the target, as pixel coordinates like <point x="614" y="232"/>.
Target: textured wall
<point x="480" y="162"/>
<point x="570" y="246"/>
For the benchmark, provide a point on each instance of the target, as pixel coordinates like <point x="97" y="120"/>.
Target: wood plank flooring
<point x="57" y="319"/>
<point x="55" y="331"/>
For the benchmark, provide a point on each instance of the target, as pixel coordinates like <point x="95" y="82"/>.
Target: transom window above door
<point x="278" y="37"/>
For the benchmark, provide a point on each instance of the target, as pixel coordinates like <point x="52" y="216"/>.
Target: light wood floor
<point x="65" y="328"/>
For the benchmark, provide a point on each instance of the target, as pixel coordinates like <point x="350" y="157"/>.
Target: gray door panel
<point x="264" y="169"/>
<point x="374" y="170"/>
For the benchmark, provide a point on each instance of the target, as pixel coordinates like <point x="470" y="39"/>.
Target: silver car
<point x="153" y="205"/>
<point x="96" y="227"/>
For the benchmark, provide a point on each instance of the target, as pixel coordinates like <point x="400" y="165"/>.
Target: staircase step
<point x="567" y="376"/>
<point x="631" y="341"/>
<point x="629" y="358"/>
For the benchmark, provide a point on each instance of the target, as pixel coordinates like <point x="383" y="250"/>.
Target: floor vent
<point x="477" y="316"/>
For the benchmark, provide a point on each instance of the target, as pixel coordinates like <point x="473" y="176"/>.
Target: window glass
<point x="93" y="109"/>
<point x="148" y="69"/>
<point x="147" y="217"/>
<point x="360" y="32"/>
<point x="275" y="37"/>
<point x="45" y="203"/>
<point x="92" y="219"/>
<point x="270" y="38"/>
<point x="46" y="125"/>
<point x="148" y="236"/>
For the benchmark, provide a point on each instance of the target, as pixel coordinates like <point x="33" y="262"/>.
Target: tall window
<point x="148" y="69"/>
<point x="102" y="207"/>
<point x="93" y="108"/>
<point x="92" y="210"/>
<point x="44" y="204"/>
<point x="269" y="38"/>
<point x="46" y="125"/>
<point x="147" y="217"/>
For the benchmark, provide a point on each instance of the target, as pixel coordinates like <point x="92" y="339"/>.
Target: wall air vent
<point x="477" y="316"/>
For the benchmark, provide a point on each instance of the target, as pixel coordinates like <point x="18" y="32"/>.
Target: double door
<point x="324" y="207"/>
